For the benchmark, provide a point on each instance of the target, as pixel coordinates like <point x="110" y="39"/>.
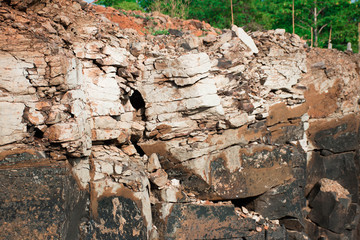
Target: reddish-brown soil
<point x="147" y="23"/>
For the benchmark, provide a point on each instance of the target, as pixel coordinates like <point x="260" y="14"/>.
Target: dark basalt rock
<point x="329" y="210"/>
<point x="176" y="32"/>
<point x="288" y="200"/>
<point x="338" y="139"/>
<point x="286" y="132"/>
<point x="194" y="221"/>
<point x="283" y="201"/>
<point x="271" y="165"/>
<point x="40" y="202"/>
<point x="118" y="218"/>
<point x="338" y="167"/>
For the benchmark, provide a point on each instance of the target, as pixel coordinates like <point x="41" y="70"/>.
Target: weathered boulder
<point x="117" y="218"/>
<point x="330" y="204"/>
<point x="209" y="221"/>
<point x="39" y="201"/>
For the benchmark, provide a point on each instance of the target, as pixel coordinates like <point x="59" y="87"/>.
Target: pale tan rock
<point x="153" y="163"/>
<point x="105" y="122"/>
<point x="63" y="132"/>
<point x="245" y="38"/>
<point x="35" y="117"/>
<point x="57" y="114"/>
<point x="129" y="150"/>
<point x="13" y="74"/>
<point x="12" y="128"/>
<point x="238" y="120"/>
<point x="159" y="178"/>
<point x="170" y="194"/>
<point x="124" y="136"/>
<point x="118" y="168"/>
<point x="81" y="170"/>
<point x="209" y="38"/>
<point x="189" y="65"/>
<point x="116" y="57"/>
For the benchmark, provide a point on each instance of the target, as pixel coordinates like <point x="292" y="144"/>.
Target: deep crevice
<point x="137" y="101"/>
<point x="134" y="140"/>
<point x="245" y="202"/>
<point x="38" y="133"/>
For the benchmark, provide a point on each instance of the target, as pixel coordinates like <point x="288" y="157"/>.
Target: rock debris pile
<point x="109" y="132"/>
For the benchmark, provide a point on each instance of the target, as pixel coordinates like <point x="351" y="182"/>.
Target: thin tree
<point x="293" y="16"/>
<point x="316" y="30"/>
<point x="329" y="42"/>
<point x="232" y="13"/>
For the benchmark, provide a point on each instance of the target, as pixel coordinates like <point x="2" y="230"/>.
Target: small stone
<point x="159" y="178"/>
<point x="154" y="163"/>
<point x="123" y="138"/>
<point x="244" y="210"/>
<point x="35" y="117"/>
<point x="118" y="168"/>
<point x="280" y="31"/>
<point x="209" y="38"/>
<point x="129" y="150"/>
<point x="175" y="182"/>
<point x="256" y="218"/>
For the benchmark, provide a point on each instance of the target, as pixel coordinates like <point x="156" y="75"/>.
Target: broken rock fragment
<point x="330" y="205"/>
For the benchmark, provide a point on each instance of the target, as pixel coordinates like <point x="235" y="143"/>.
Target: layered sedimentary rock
<point x="107" y="134"/>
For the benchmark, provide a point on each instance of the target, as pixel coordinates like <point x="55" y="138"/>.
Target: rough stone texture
<point x="39" y="201"/>
<point x="335" y="214"/>
<point x="194" y="221"/>
<point x="170" y="123"/>
<point x="118" y="218"/>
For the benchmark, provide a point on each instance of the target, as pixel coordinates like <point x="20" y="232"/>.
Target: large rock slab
<point x="330" y="204"/>
<point x="194" y="221"/>
<point x="118" y="218"/>
<point x="13" y="74"/>
<point x="40" y="201"/>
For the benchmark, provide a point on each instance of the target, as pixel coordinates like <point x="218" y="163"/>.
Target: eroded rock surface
<point x="115" y="134"/>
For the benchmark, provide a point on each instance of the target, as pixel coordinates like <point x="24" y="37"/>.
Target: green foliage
<point x="341" y="16"/>
<point x="121" y="4"/>
<point x="173" y="8"/>
<point x="133" y="6"/>
<point x="161" y="32"/>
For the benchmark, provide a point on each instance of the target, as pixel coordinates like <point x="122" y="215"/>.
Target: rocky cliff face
<point x="106" y="133"/>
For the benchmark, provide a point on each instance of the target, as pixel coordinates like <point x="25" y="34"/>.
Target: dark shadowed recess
<point x="137" y="100"/>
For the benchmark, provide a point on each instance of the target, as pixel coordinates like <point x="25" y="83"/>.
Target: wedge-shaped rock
<point x="330" y="204"/>
<point x="245" y="38"/>
<point x="11" y="127"/>
<point x="13" y="74"/>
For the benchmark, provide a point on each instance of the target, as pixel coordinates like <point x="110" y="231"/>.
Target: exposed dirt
<point x="150" y="23"/>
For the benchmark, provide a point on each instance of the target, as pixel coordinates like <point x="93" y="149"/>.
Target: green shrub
<point x="161" y="32"/>
<point x="133" y="6"/>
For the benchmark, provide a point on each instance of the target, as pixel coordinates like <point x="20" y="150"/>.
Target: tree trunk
<point x="329" y="42"/>
<point x="315" y="25"/>
<point x="293" y="16"/>
<point x="232" y="13"/>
